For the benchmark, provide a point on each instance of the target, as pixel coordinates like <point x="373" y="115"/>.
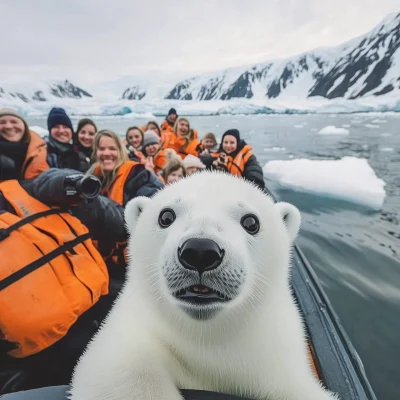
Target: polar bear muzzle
<point x="200" y="255"/>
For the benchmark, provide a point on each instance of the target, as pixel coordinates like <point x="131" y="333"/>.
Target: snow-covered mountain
<point x="134" y="93"/>
<point x="360" y="75"/>
<point x="43" y="92"/>
<point x="367" y="65"/>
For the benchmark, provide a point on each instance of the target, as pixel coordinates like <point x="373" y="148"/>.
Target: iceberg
<point x="351" y="179"/>
<point x="332" y="130"/>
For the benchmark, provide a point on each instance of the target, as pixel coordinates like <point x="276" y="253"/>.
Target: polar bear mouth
<point x="201" y="294"/>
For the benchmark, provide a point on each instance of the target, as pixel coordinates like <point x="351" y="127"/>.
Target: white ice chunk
<point x="333" y="130"/>
<point x="349" y="178"/>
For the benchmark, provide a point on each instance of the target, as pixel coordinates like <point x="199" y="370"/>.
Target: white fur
<point x="253" y="346"/>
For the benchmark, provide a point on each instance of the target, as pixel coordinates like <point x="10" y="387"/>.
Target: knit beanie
<point x="172" y="111"/>
<point x="150" y="137"/>
<point x="193" y="161"/>
<point x="58" y="116"/>
<point x="14" y="113"/>
<point x="232" y="132"/>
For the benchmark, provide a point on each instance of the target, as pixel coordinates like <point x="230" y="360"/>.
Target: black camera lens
<point x="89" y="187"/>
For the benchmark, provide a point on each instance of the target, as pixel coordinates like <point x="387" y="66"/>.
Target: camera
<point x="88" y="187"/>
<point x="222" y="160"/>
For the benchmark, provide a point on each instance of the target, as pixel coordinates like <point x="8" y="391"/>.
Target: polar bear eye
<point x="250" y="223"/>
<point x="166" y="218"/>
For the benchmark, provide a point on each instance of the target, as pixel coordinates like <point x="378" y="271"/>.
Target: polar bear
<point x="207" y="303"/>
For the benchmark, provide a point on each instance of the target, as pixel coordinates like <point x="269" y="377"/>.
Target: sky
<point x="97" y="40"/>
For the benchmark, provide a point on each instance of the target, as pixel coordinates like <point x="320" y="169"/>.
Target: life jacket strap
<point x="5" y="232"/>
<point x="42" y="260"/>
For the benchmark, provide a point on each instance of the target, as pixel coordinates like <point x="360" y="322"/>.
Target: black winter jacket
<point x="252" y="169"/>
<point x="62" y="155"/>
<point x="103" y="217"/>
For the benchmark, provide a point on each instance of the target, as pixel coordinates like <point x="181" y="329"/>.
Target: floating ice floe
<point x="275" y="148"/>
<point x="351" y="179"/>
<point x="333" y="130"/>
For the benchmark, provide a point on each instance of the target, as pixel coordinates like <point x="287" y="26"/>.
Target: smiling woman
<point x="83" y="140"/>
<point x="22" y="152"/>
<point x="60" y="151"/>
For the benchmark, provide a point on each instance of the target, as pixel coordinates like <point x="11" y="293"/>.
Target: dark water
<point x="354" y="251"/>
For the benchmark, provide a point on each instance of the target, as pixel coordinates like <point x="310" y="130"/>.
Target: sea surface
<point x="354" y="251"/>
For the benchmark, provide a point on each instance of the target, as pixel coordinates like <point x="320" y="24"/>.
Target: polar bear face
<point x="208" y="246"/>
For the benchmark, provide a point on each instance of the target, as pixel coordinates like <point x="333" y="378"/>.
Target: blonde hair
<point x="109" y="177"/>
<point x="189" y="136"/>
<point x="174" y="162"/>
<point x="210" y="135"/>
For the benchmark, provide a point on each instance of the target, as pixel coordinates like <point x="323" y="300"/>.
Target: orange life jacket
<point x="116" y="192"/>
<point x="159" y="161"/>
<point x="177" y="143"/>
<point x="50" y="272"/>
<point x="236" y="165"/>
<point x="167" y="127"/>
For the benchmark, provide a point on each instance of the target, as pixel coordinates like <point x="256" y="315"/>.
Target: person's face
<point x="175" y="176"/>
<point x="152" y="127"/>
<point x="86" y="135"/>
<point x="152" y="149"/>
<point x="61" y="133"/>
<point x="107" y="154"/>
<point x="191" y="170"/>
<point x="11" y="128"/>
<point x="229" y="145"/>
<point x="134" y="138"/>
<point x="183" y="128"/>
<point x="207" y="143"/>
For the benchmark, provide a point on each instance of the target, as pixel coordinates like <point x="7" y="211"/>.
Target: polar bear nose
<point x="200" y="255"/>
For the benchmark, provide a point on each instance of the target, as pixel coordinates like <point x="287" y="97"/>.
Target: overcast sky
<point x="98" y="39"/>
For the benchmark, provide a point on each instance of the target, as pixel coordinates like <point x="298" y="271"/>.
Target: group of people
<point x="62" y="231"/>
<point x="175" y="150"/>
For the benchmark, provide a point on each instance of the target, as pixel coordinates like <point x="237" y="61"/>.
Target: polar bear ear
<point x="133" y="209"/>
<point x="291" y="217"/>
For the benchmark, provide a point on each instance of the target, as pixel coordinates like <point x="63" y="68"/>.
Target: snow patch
<point x="351" y="179"/>
<point x="386" y="149"/>
<point x="333" y="130"/>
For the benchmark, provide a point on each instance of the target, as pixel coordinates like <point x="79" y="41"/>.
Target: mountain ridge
<point x="365" y="66"/>
<point x="319" y="69"/>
